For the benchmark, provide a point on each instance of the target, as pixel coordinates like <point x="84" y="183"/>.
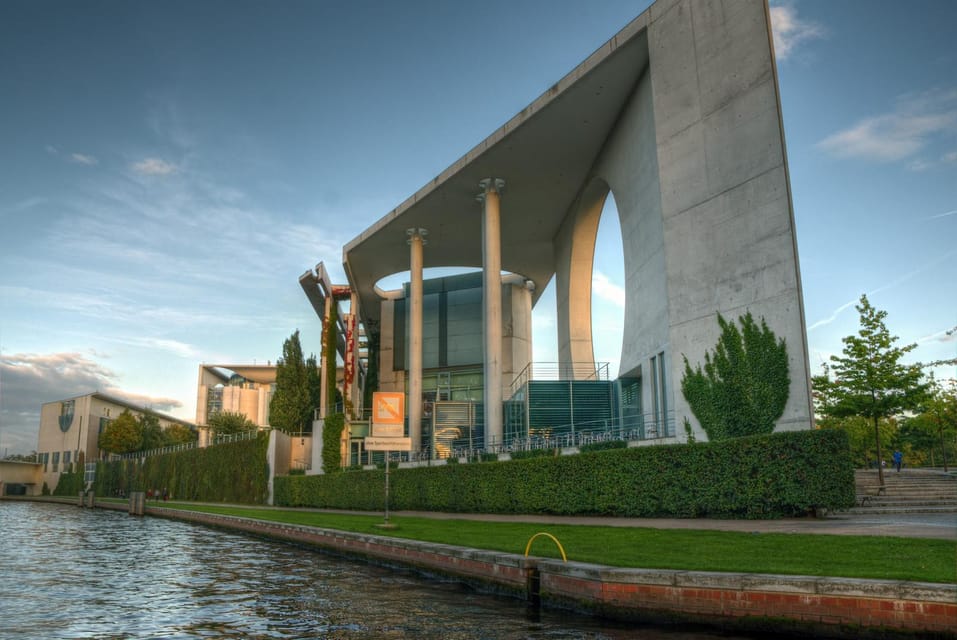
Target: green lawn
<point x="888" y="558"/>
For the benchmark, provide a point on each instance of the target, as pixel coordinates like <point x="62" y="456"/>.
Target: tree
<point x="227" y="423"/>
<point x="291" y="407"/>
<point x="745" y="383"/>
<point x="122" y="435"/>
<point x="940" y="410"/>
<point x="314" y="384"/>
<point x="151" y="431"/>
<point x="178" y="434"/>
<point x="870" y="379"/>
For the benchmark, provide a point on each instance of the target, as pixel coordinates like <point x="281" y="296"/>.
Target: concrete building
<point x="678" y="118"/>
<point x="70" y="430"/>
<point x="244" y="389"/>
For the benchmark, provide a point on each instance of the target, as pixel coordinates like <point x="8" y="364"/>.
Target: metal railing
<point x="633" y="428"/>
<point x="558" y="371"/>
<point x="186" y="446"/>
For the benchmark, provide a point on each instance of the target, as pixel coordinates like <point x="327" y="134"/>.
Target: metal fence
<point x="636" y="428"/>
<point x="215" y="440"/>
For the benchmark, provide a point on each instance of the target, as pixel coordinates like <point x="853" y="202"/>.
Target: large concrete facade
<point x="678" y="118"/>
<point x="696" y="164"/>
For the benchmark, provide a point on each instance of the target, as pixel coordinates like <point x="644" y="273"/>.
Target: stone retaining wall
<point x="834" y="607"/>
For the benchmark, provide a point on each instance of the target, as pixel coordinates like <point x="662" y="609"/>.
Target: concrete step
<point x="878" y="504"/>
<point x="892" y="510"/>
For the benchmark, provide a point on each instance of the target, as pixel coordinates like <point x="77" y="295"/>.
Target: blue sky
<point x="169" y="169"/>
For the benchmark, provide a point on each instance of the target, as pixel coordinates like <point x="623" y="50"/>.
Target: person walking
<point x="898" y="458"/>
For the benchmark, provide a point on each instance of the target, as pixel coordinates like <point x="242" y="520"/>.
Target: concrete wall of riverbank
<point x="835" y="607"/>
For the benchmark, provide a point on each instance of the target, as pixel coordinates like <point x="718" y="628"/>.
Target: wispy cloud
<point x="944" y="335"/>
<point x="915" y="122"/>
<point x="82" y="158"/>
<point x="607" y="290"/>
<point x="789" y="30"/>
<point x="943" y="215"/>
<point x="154" y="167"/>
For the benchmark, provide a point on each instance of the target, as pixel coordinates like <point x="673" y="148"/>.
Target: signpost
<point x="388" y="429"/>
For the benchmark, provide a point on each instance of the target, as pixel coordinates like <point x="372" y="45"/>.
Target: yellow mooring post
<point x="548" y="535"/>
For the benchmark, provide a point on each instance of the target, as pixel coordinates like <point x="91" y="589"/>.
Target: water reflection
<point x="67" y="572"/>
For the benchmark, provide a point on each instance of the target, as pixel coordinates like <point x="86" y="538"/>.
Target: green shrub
<point x="235" y="472"/>
<point x="332" y="428"/>
<point x="766" y="476"/>
<point x="69" y="484"/>
<point x="534" y="453"/>
<point x="603" y="446"/>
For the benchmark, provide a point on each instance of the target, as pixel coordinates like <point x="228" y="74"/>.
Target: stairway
<point x="910" y="491"/>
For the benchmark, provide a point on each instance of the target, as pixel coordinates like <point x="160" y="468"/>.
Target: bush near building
<point x="766" y="476"/>
<point x="236" y="472"/>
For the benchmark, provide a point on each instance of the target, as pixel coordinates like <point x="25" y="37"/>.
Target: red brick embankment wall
<point x="838" y="607"/>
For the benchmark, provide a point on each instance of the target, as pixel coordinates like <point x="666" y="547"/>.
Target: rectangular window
<point x="56" y="461"/>
<point x="659" y="395"/>
<point x="45" y="459"/>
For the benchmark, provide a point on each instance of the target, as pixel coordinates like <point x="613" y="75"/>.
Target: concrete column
<point x="416" y="242"/>
<point x="492" y="307"/>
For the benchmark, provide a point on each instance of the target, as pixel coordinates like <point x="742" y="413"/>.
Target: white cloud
<point x="789" y="30"/>
<point x="607" y="290"/>
<point x="154" y="167"/>
<point x="915" y="122"/>
<point x="82" y="158"/>
<point x="32" y="379"/>
<point x="949" y="157"/>
<point x="943" y="215"/>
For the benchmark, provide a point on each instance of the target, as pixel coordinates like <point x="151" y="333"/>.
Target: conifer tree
<point x="290" y="403"/>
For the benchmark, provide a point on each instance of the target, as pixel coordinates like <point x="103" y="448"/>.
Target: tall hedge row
<point x="782" y="474"/>
<point x="236" y="472"/>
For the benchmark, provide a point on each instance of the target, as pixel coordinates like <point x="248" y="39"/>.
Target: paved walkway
<point x="913" y="525"/>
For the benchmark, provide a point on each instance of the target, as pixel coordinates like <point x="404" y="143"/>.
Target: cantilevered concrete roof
<point x="544" y="154"/>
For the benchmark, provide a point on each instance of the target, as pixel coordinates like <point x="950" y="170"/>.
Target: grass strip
<point x="884" y="558"/>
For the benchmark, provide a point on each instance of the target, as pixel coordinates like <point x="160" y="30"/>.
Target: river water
<point x="67" y="572"/>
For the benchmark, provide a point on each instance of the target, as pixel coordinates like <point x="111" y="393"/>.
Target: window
<point x="56" y="461"/>
<point x="659" y="395"/>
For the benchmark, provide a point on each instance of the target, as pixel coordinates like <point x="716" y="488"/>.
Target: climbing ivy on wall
<point x="329" y="352"/>
<point x="744" y="385"/>
<point x="331" y="447"/>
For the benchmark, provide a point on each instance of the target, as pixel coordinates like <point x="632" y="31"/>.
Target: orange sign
<point x="388" y="407"/>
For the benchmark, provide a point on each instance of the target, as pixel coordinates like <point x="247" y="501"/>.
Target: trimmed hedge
<point x="235" y="472"/>
<point x="767" y="476"/>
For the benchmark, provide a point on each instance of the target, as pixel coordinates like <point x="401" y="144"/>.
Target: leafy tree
<point x="860" y="436"/>
<point x="152" y="432"/>
<point x="227" y="423"/>
<point x="870" y="379"/>
<point x="745" y="383"/>
<point x="122" y="435"/>
<point x="940" y="415"/>
<point x="314" y="384"/>
<point x="290" y="408"/>
<point x="178" y="434"/>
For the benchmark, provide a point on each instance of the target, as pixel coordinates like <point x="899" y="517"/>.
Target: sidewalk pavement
<point x="912" y="525"/>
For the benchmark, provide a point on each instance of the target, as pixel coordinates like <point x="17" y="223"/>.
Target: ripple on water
<point x="67" y="572"/>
